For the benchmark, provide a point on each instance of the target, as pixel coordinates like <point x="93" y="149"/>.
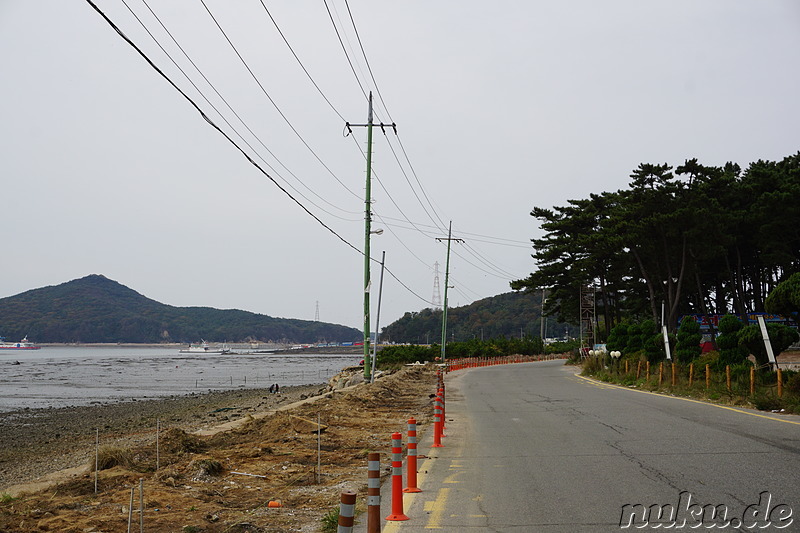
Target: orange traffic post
<point x="411" y="458"/>
<point x="374" y="492"/>
<point x="347" y="511"/>
<point x="437" y="423"/>
<point x="397" y="479"/>
<point x="441" y="396"/>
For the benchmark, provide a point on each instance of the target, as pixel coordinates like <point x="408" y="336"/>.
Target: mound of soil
<point x="225" y="481"/>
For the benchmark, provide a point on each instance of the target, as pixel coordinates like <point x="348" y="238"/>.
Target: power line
<point x="215" y="126"/>
<point x="385" y="107"/>
<point x="231" y="141"/>
<point x="258" y="82"/>
<point x="366" y="60"/>
<point x="494" y="240"/>
<point x="344" y="49"/>
<point x="227" y="104"/>
<point x="301" y="63"/>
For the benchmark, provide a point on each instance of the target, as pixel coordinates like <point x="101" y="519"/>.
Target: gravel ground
<point x="35" y="442"/>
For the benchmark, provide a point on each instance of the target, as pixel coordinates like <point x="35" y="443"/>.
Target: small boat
<point x="204" y="347"/>
<point x="24" y="344"/>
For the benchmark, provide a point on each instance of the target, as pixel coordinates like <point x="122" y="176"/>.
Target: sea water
<point x="76" y="375"/>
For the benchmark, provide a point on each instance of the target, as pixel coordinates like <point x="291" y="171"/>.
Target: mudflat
<point x="36" y="442"/>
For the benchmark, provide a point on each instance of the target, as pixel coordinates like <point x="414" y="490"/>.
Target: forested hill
<point x="97" y="309"/>
<point x="507" y="315"/>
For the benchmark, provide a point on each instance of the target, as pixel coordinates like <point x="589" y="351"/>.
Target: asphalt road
<point x="534" y="448"/>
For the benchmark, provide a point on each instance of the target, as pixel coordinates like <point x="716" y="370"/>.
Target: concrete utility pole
<point x="378" y="319"/>
<point x="368" y="230"/>
<point x="446" y="286"/>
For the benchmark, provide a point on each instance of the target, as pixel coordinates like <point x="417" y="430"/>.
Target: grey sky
<point x="501" y="106"/>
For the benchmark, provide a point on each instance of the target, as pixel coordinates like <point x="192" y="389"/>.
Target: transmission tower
<point x="437" y="291"/>
<point x="316" y="314"/>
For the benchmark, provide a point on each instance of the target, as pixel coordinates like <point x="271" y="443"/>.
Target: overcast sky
<point x="500" y="107"/>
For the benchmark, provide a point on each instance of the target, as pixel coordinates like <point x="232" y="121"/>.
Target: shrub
<point x="780" y="337"/>
<point x="762" y="402"/>
<point x="688" y="347"/>
<point x="111" y="456"/>
<point x="730" y="351"/>
<point x="793" y="385"/>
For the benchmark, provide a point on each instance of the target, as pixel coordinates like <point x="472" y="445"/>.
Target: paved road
<point x="533" y="448"/>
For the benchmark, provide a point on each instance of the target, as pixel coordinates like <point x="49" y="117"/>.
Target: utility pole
<point x="368" y="230"/>
<point x="446" y="286"/>
<point x="378" y="319"/>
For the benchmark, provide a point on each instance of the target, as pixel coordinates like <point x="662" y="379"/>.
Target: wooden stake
<point x="660" y="373"/>
<point x="141" y="505"/>
<point x="708" y="377"/>
<point x="728" y="376"/>
<point x="96" y="456"/>
<point x="319" y="452"/>
<point x="691" y="374"/>
<point x="130" y="510"/>
<point x="674" y="376"/>
<point x="780" y="383"/>
<point x="158" y="431"/>
<point x="752" y="381"/>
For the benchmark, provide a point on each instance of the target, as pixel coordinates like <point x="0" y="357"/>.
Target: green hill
<point x="512" y="314"/>
<point x="97" y="309"/>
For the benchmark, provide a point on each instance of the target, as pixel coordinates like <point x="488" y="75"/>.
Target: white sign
<point x="765" y="336"/>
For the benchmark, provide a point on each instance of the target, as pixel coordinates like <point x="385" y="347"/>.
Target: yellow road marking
<point x="609" y="385"/>
<point x="436" y="509"/>
<point x="452" y="477"/>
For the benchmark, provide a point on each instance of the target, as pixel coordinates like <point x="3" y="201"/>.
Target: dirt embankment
<point x="219" y="482"/>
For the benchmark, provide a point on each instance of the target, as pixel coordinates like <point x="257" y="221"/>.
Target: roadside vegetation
<point x="393" y="356"/>
<point x="738" y="372"/>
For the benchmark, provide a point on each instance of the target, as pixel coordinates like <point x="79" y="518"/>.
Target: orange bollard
<point x="347" y="511"/>
<point x="397" y="479"/>
<point x="411" y="458"/>
<point x="374" y="493"/>
<point x="441" y="396"/>
<point x="437" y="424"/>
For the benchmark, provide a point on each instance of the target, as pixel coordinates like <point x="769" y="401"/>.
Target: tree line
<point x="508" y="315"/>
<point x="699" y="239"/>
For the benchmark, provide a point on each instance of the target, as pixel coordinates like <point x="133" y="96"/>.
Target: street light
<point x="615" y="355"/>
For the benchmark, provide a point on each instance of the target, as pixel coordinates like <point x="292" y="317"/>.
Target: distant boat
<point x="203" y="347"/>
<point x="24" y="344"/>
